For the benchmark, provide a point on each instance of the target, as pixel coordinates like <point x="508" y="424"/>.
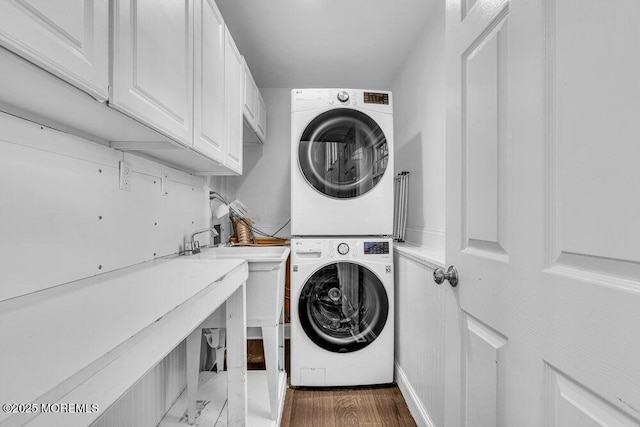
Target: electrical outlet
<point x="164" y="184"/>
<point x="126" y="175"/>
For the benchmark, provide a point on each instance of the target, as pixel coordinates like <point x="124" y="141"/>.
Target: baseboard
<point x="416" y="407"/>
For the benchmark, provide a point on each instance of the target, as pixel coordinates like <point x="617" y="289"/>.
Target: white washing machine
<point x="342" y="162"/>
<point x="342" y="331"/>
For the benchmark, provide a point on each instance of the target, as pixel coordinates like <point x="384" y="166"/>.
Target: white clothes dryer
<point x="342" y="162"/>
<point x="342" y="325"/>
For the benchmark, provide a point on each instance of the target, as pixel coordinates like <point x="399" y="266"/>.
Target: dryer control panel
<point x="376" y="98"/>
<point x="376" y="248"/>
<point x="314" y="99"/>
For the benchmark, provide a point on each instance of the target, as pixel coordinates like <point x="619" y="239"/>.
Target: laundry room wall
<point x="265" y="186"/>
<point x="419" y="124"/>
<point x="419" y="130"/>
<point x="64" y="218"/>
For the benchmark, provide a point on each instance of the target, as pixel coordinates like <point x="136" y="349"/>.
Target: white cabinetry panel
<point x="153" y="74"/>
<point x="69" y="38"/>
<point x="165" y="72"/>
<point x="249" y="93"/>
<point x="261" y="119"/>
<point x="233" y="104"/>
<point x="208" y="134"/>
<point x="254" y="108"/>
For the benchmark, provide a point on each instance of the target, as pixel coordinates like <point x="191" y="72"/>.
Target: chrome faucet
<point x="195" y="245"/>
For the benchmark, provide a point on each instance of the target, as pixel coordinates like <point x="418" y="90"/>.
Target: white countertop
<point x="49" y="336"/>
<point x="253" y="254"/>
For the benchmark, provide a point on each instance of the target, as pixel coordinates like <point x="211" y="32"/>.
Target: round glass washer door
<point x="343" y="307"/>
<point x="343" y="153"/>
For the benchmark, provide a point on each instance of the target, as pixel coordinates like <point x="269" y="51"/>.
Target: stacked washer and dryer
<point x="342" y="321"/>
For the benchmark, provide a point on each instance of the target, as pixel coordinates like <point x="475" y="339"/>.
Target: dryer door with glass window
<point x="343" y="307"/>
<point x="343" y="153"/>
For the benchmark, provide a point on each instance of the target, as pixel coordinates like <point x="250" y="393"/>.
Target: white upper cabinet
<point x="261" y="118"/>
<point x="153" y="67"/>
<point x="173" y="79"/>
<point x="254" y="109"/>
<point x="68" y="38"/>
<point x="233" y="104"/>
<point x="178" y="70"/>
<point x="249" y="93"/>
<point x="209" y="106"/>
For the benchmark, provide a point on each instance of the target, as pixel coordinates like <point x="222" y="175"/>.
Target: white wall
<point x="64" y="218"/>
<point x="227" y="187"/>
<point x="419" y="125"/>
<point x="265" y="186"/>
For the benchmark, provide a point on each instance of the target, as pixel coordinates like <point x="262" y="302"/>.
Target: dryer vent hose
<point x="243" y="231"/>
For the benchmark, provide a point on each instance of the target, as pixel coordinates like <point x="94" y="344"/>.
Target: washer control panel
<point x="376" y="248"/>
<point x="366" y="249"/>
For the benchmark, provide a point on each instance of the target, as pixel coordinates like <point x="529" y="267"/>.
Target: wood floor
<point x="357" y="406"/>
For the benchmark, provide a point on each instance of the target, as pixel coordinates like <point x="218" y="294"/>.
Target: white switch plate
<point x="164" y="184"/>
<point x="125" y="175"/>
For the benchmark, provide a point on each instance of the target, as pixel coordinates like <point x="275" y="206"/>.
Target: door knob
<point x="451" y="275"/>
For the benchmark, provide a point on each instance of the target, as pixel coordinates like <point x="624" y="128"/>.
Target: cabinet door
<point x="233" y="104"/>
<point x="209" y="33"/>
<point x="152" y="78"/>
<point x="249" y="94"/>
<point x="68" y="38"/>
<point x="261" y="118"/>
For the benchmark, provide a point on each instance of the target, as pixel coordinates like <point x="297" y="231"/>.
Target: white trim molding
<point x="426" y="256"/>
<point x="417" y="409"/>
<point x="426" y="237"/>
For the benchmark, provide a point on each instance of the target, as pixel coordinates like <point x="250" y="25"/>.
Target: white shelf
<point x="103" y="333"/>
<point x="212" y="388"/>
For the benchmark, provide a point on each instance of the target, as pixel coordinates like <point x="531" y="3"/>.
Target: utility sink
<point x="264" y="309"/>
<point x="250" y="253"/>
<point x="265" y="285"/>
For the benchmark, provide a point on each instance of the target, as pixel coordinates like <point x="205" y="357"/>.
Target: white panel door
<point x="152" y="78"/>
<point x="233" y="104"/>
<point x="209" y="30"/>
<point x="543" y="213"/>
<point x="69" y="38"/>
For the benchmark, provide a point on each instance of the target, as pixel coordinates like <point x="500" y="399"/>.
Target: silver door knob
<point x="451" y="275"/>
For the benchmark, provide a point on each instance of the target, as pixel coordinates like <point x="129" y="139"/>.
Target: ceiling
<point x="325" y="43"/>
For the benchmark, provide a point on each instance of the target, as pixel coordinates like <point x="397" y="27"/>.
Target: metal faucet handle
<point x="204" y="230"/>
<point x="195" y="245"/>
